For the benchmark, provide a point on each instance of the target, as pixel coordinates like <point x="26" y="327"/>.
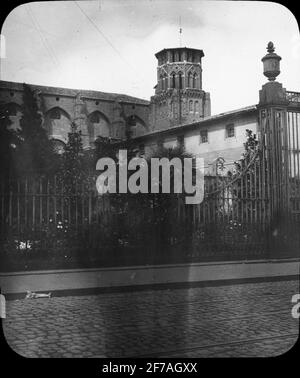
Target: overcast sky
<point x="109" y="45"/>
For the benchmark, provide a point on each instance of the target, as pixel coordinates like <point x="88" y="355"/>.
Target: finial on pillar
<point x="271" y="63"/>
<point x="270" y="47"/>
<point x="272" y="92"/>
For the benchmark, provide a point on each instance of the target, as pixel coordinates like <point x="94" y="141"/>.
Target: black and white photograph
<point x="150" y="181"/>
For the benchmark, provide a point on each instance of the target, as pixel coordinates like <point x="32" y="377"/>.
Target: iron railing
<point x="293" y="96"/>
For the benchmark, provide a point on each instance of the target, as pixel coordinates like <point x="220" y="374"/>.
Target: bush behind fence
<point x="47" y="225"/>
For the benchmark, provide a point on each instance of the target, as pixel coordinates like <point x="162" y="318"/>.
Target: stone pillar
<point x="39" y="102"/>
<point x="118" y="122"/>
<point x="273" y="135"/>
<point x="80" y="120"/>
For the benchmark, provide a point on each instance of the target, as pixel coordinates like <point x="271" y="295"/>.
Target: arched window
<point x="98" y="126"/>
<point x="179" y="56"/>
<point x="190" y="80"/>
<point x="55" y="113"/>
<point x="173" y="56"/>
<point x="180" y="80"/>
<point x="191" y="106"/>
<point x="161" y="81"/>
<point x="136" y="126"/>
<point x="194" y="80"/>
<point x="173" y="78"/>
<point x="58" y="124"/>
<point x="95" y="117"/>
<point x="196" y="106"/>
<point x="165" y="82"/>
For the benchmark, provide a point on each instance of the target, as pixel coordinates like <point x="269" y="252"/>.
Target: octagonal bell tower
<point x="179" y="97"/>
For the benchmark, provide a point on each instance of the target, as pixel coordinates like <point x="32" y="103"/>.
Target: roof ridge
<point x="74" y="91"/>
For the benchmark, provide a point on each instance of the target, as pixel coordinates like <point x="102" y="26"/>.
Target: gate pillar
<point x="272" y="131"/>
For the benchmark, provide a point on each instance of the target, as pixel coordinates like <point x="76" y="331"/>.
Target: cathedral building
<point x="94" y="113"/>
<point x="178" y="113"/>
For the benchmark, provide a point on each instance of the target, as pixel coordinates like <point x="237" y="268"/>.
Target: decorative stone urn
<point x="271" y="63"/>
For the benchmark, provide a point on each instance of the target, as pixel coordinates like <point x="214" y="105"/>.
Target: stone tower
<point x="179" y="97"/>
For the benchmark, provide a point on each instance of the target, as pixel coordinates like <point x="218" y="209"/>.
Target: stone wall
<point x="218" y="143"/>
<point x="95" y="113"/>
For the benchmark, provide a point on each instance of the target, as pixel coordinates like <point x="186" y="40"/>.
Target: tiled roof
<point x="180" y="48"/>
<point x="10" y="85"/>
<point x="205" y="120"/>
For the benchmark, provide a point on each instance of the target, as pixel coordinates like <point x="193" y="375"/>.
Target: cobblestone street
<point x="241" y="320"/>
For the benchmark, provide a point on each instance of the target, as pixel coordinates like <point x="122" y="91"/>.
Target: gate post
<point x="273" y="138"/>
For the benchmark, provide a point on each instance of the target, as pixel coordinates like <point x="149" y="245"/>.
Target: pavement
<point x="13" y="283"/>
<point x="240" y="320"/>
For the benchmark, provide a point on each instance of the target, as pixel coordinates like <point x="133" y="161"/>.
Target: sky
<point x="109" y="45"/>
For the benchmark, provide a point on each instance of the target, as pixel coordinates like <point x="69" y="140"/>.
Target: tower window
<point x="196" y="106"/>
<point x="230" y="131"/>
<point x="179" y="56"/>
<point x="194" y="80"/>
<point x="165" y="82"/>
<point x="180" y="80"/>
<point x="203" y="136"/>
<point x="173" y="56"/>
<point x="173" y="81"/>
<point x="190" y="80"/>
<point x="191" y="106"/>
<point x="161" y="82"/>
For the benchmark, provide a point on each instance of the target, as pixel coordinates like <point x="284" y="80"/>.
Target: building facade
<point x="213" y="138"/>
<point x="178" y="113"/>
<point x="94" y="113"/>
